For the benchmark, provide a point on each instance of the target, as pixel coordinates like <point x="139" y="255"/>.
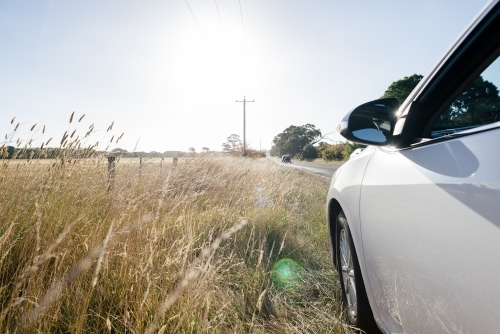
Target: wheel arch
<point x="334" y="209"/>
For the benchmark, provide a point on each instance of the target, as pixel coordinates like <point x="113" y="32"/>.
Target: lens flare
<point x="287" y="275"/>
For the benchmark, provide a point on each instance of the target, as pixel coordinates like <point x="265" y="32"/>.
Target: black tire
<point x="359" y="313"/>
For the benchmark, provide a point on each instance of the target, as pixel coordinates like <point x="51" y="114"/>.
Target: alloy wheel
<point x="348" y="277"/>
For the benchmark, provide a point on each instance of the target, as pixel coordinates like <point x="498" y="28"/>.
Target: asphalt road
<point x="310" y="167"/>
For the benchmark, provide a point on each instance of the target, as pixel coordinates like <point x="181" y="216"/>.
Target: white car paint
<point x="356" y="152"/>
<point x="430" y="220"/>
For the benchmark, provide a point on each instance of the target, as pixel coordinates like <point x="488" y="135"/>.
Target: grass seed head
<point x="183" y="265"/>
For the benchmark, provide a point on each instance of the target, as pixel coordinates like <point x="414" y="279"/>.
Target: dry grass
<point x="323" y="162"/>
<point x="187" y="248"/>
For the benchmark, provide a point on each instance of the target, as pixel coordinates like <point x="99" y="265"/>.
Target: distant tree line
<point x="139" y="154"/>
<point x="11" y="152"/>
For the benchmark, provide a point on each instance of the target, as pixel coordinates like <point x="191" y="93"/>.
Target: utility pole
<point x="244" y="125"/>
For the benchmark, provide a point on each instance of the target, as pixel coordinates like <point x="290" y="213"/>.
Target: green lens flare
<point x="287" y="275"/>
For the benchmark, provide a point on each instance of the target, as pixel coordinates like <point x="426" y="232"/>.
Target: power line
<point x="242" y="25"/>
<point x="193" y="16"/>
<point x="220" y="18"/>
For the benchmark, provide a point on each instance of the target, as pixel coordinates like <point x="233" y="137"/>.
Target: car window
<point x="478" y="104"/>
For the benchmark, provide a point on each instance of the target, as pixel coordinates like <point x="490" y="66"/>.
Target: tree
<point x="478" y="104"/>
<point x="192" y="150"/>
<point x="402" y="88"/>
<point x="273" y="151"/>
<point x="10" y="151"/>
<point x="205" y="149"/>
<point x="233" y="145"/>
<point x="309" y="152"/>
<point x="294" y="139"/>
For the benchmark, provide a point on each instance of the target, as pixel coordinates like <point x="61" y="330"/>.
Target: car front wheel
<point x="359" y="313"/>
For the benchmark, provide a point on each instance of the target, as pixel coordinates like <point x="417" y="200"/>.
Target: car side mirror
<point x="371" y="123"/>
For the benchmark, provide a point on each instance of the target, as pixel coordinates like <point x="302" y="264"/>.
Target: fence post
<point x="111" y="171"/>
<point x="140" y="167"/>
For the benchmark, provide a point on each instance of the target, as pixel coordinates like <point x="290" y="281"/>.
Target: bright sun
<point x="211" y="61"/>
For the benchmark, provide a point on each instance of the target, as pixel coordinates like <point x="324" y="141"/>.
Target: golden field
<point x="159" y="248"/>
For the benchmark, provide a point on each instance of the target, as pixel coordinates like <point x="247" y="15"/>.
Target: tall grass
<point x="187" y="248"/>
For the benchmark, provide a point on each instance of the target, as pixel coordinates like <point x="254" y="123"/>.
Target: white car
<point x="356" y="152"/>
<point x="414" y="221"/>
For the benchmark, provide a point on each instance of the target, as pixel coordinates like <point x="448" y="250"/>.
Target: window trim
<point x="422" y="142"/>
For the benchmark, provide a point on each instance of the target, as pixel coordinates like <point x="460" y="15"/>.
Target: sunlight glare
<point x="210" y="63"/>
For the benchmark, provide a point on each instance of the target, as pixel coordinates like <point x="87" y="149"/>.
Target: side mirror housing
<point x="371" y="123"/>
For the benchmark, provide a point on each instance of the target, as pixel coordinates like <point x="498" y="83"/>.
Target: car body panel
<point x="346" y="185"/>
<point x="430" y="218"/>
<point x="356" y="152"/>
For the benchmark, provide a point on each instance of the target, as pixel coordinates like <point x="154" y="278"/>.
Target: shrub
<point x="334" y="152"/>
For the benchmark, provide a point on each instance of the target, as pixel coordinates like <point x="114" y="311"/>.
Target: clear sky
<point x="170" y="80"/>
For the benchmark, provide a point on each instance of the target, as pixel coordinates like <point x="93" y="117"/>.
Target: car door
<point x="430" y="218"/>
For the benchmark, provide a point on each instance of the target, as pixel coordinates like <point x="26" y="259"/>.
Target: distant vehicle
<point x="356" y="152"/>
<point x="414" y="221"/>
<point x="286" y="159"/>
